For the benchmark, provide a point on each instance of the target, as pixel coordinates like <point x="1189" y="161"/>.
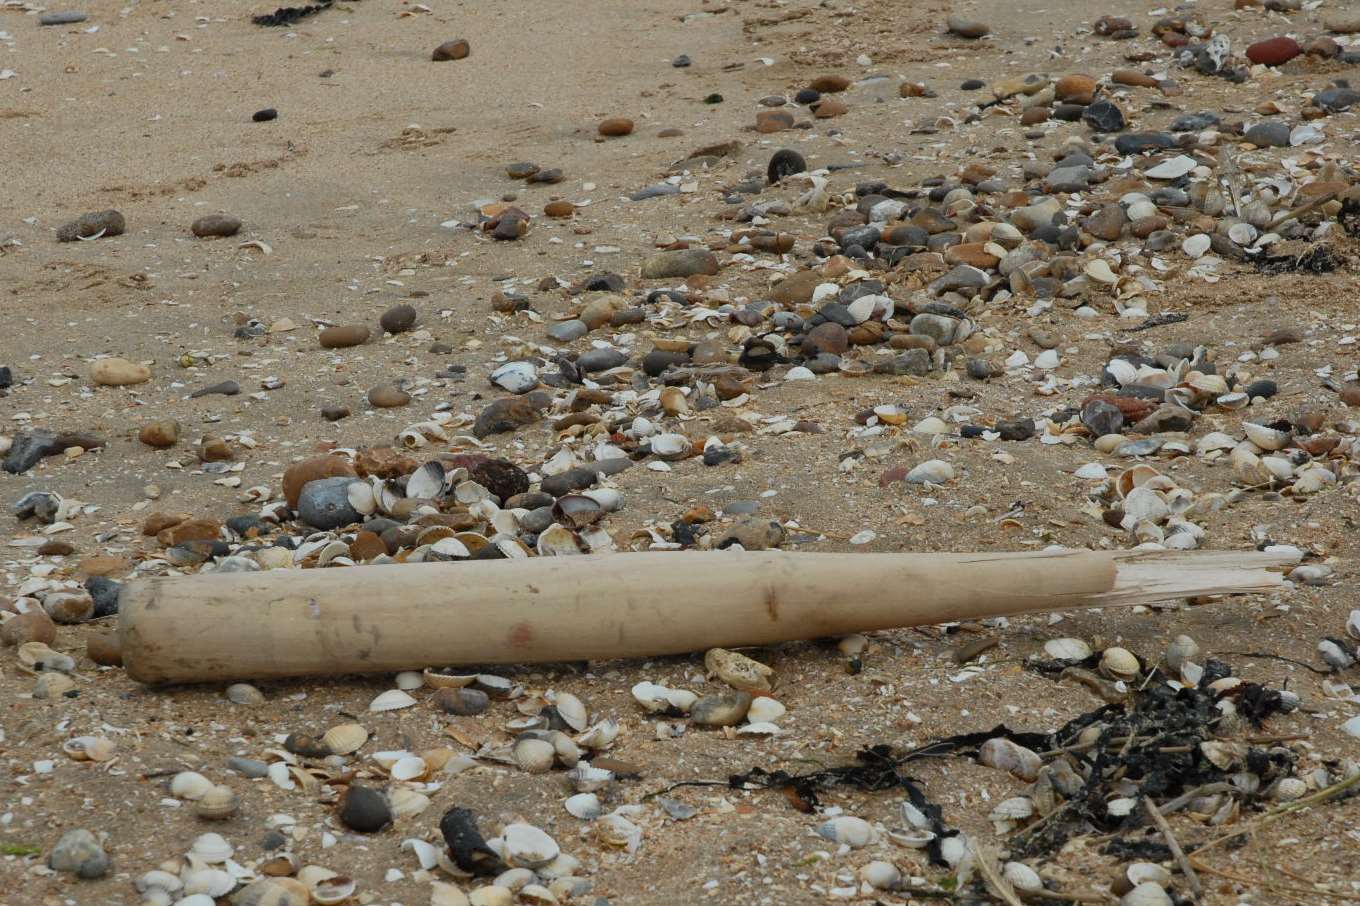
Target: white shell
<point x="535" y="755"/>
<point x="572" y="711"/>
<point x="409" y="679"/>
<point x="391" y="700"/>
<point x="1021" y="876"/>
<point x="1119" y="663"/>
<point x="426" y="482"/>
<point x="213" y="882"/>
<point x="600" y="735"/>
<point x="1146" y="894"/>
<point x="244" y="693"/>
<point x="557" y="541"/>
<point x="516" y="377"/>
<point x="1265" y="437"/>
<point x="525" y="846"/>
<point x="405" y="802"/>
<point x="1195" y="246"/>
<point x="345" y="739"/>
<point x="1174" y="168"/>
<point x="671" y="446"/>
<point x="1242" y="233"/>
<point x="190" y="785"/>
<point x="765" y="710"/>
<point x="880" y="875"/>
<point x="585" y="806"/>
<point x="1067" y="649"/>
<point x="409" y="768"/>
<point x="932" y="471"/>
<point x="1005" y="755"/>
<point x="333" y="890"/>
<point x="212" y="848"/>
<point x="616" y="830"/>
<point x="853" y="832"/>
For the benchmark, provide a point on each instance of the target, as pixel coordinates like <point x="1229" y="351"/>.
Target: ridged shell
<point x="412" y="767"/>
<point x="244" y="694"/>
<point x="585" y="806"/>
<point x="345" y="739"/>
<point x="1067" y="649"/>
<point x="218" y="804"/>
<point x="272" y="892"/>
<point x="535" y="755"/>
<point x="572" y="711"/>
<point x="391" y="700"/>
<point x="190" y="785"/>
<point x="557" y="541"/>
<point x="212" y="848"/>
<point x="1119" y="663"/>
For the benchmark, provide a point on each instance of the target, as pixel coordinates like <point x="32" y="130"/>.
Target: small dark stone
<point x="1068" y="113"/>
<point x="1269" y="134"/>
<point x="67" y="17"/>
<point x="521" y="170"/>
<point x="981" y="369"/>
<point x="1020" y="429"/>
<point x="466" y="844"/>
<point x="6" y="377"/>
<point x="784" y="163"/>
<point x="1335" y="100"/>
<point x="335" y="413"/>
<point x="551" y="176"/>
<point x="600" y="360"/>
<point x="398" y="318"/>
<point x="249" y="526"/>
<point x="104" y="591"/>
<point x="1138" y="142"/>
<point x="365" y="810"/>
<point x="1103" y="116"/>
<point x="657" y="361"/>
<point x="273" y="840"/>
<point x="31" y="446"/>
<point x="1194" y="122"/>
<point x="501" y="477"/>
<point x="265" y="115"/>
<point x="1264" y="388"/>
<point x="604" y="283"/>
<point x="1102" y="418"/>
<point x="681" y="61"/>
<point x="972" y="85"/>
<point x="807" y="96"/>
<point x="463" y="702"/>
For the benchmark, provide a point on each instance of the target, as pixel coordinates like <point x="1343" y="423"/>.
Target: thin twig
<point x="1192" y="879"/>
<point x="1286" y="216"/>
<point x="999" y="886"/>
<point x="1253" y="882"/>
<point x="1181" y="801"/>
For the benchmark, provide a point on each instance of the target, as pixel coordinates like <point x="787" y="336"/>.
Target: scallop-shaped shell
<point x="572" y="711"/>
<point x="158" y="879"/>
<point x="1017" y="808"/>
<point x="190" y="785"/>
<point x="1248" y="469"/>
<point x="1265" y="437"/>
<point x="437" y="679"/>
<point x="609" y="498"/>
<point x="537" y="893"/>
<point x="1067" y="649"/>
<point x="334" y="890"/>
<point x="244" y="693"/>
<point x="1147" y="872"/>
<point x="444" y="894"/>
<point x="404" y="802"/>
<point x="587" y="779"/>
<point x="213" y="882"/>
<point x="515" y="879"/>
<point x="912" y="839"/>
<point x="1021" y="876"/>
<point x="89" y="748"/>
<point x="272" y="892"/>
<point x="212" y="848"/>
<point x="853" y="832"/>
<point x="1015" y="759"/>
<point x="585" y="806"/>
<point x="412" y="767"/>
<point x="450" y="549"/>
<point x="535" y="755"/>
<point x="391" y="700"/>
<point x="557" y="541"/>
<point x="426" y="482"/>
<point x="759" y="728"/>
<point x="345" y="739"/>
<point x="1133" y="477"/>
<point x="671" y="446"/>
<point x="765" y="710"/>
<point x="1119" y="663"/>
<point x="491" y="895"/>
<point x="525" y="846"/>
<point x="616" y="830"/>
<point x="601" y="735"/>
<point x="1181" y="649"/>
<point x="218" y="804"/>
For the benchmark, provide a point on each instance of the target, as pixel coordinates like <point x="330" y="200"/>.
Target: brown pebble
<point x="366" y="546"/>
<point x="104" y="566"/>
<point x="829" y="107"/>
<point x="1034" y="115"/>
<point x="1077" y="88"/>
<point x="215" y="449"/>
<point x="768" y="121"/>
<point x="216" y="226"/>
<point x="388" y="396"/>
<point x="299" y="473"/>
<point x="340" y="336"/>
<point x="1134" y="78"/>
<point x="334" y="413"/>
<point x="670" y="132"/>
<point x="398" y="318"/>
<point x="451" y="50"/>
<point x="32" y="626"/>
<point x="616" y="126"/>
<point x="559" y="208"/>
<point x="161" y="434"/>
<point x="103" y="648"/>
<point x="56" y="548"/>
<point x="155" y="523"/>
<point x="1350" y="395"/>
<point x="190" y="530"/>
<point x="830" y="84"/>
<point x="912" y="90"/>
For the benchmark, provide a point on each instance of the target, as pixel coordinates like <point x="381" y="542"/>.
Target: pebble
<point x="398" y="318"/>
<point x="966" y="28"/>
<point x="1274" y="51"/>
<point x="222" y="388"/>
<point x="1103" y="116"/>
<point x="341" y="336"/>
<point x="616" y="126"/>
<point x="388" y="396"/>
<point x="456" y="49"/>
<point x="216" y="225"/>
<point x="1269" y="134"/>
<point x="721" y="709"/>
<point x="364" y="810"/>
<point x="97" y="224"/>
<point x="679" y="263"/>
<point x="325" y="503"/>
<point x="66" y="17"/>
<point x="118" y="372"/>
<point x="160" y="434"/>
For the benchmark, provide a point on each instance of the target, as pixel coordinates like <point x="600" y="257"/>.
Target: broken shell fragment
<point x="738" y="670"/>
<point x="391" y="700"/>
<point x="190" y="785"/>
<point x="1067" y="649"/>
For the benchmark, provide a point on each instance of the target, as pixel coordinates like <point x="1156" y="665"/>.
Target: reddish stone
<point x="1274" y="52"/>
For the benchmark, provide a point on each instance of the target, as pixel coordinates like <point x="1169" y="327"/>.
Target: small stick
<point x="1320" y="796"/>
<point x="1253" y="882"/>
<point x="1181" y="801"/>
<point x="998" y="885"/>
<point x="1192" y="879"/>
<point x="1064" y="897"/>
<point x="1286" y="216"/>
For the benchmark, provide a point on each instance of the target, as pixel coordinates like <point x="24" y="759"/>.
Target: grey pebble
<point x="67" y="17"/>
<point x="222" y="388"/>
<point x="566" y="331"/>
<point x="248" y="767"/>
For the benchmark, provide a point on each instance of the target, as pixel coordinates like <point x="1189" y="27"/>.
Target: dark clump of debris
<point x="287" y="15"/>
<point x="1316" y="259"/>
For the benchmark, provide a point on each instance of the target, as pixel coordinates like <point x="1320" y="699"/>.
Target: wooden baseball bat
<point x="280" y="623"/>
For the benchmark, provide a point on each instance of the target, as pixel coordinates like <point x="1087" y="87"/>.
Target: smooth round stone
<point x="773" y="100"/>
<point x="972" y="85"/>
<point x="118" y="372"/>
<point x="721" y="709"/>
<point x="365" y="810"/>
<point x="388" y="396"/>
<point x="341" y="336"/>
<point x="615" y="126"/>
<point x="398" y="318"/>
<point x="566" y="331"/>
<point x="95" y="223"/>
<point x="265" y="115"/>
<point x="334" y="413"/>
<point x="967" y="28"/>
<point x="681" y="61"/>
<point x="807" y="96"/>
<point x="456" y="49"/>
<point x="217" y="226"/>
<point x="464" y="702"/>
<point x="67" y="17"/>
<point x="324" y="503"/>
<point x="521" y="170"/>
<point x="1269" y="134"/>
<point x="938" y="327"/>
<point x="600" y="360"/>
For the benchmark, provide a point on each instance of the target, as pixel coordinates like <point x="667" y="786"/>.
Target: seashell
<point x="1134" y="477"/>
<point x="765" y="710"/>
<point x="272" y="892"/>
<point x="1146" y="505"/>
<point x="391" y="700"/>
<point x="405" y="802"/>
<point x="601" y="735"/>
<point x="524" y="846"/>
<point x="1181" y="649"/>
<point x="211" y="848"/>
<point x="427" y="482"/>
<point x="1119" y="664"/>
<point x="738" y="670"/>
<point x="572" y="711"/>
<point x="158" y="880"/>
<point x="1248" y="469"/>
<point x="535" y="755"/>
<point x="1353" y="624"/>
<point x="849" y="830"/>
<point x="408" y="680"/>
<point x="1015" y="759"/>
<point x="516" y="377"/>
<point x="217" y="804"/>
<point x="426" y="854"/>
<point x="244" y="693"/>
<point x="1146" y="894"/>
<point x="557" y="541"/>
<point x="616" y="830"/>
<point x="759" y="728"/>
<point x="1265" y="437"/>
<point x="1067" y="649"/>
<point x="1147" y="872"/>
<point x="52" y="686"/>
<point x="577" y="511"/>
<point x="932" y="471"/>
<point x="1174" y="168"/>
<point x="1195" y="246"/>
<point x="1232" y="401"/>
<point x="1279" y="467"/>
<point x="89" y="748"/>
<point x="912" y="839"/>
<point x="1021" y="876"/>
<point x="537" y="893"/>
<point x="671" y="447"/>
<point x="491" y="895"/>
<point x="1017" y="808"/>
<point x="880" y="875"/>
<point x="333" y="890"/>
<point x="437" y="679"/>
<point x="568" y="752"/>
<point x="585" y="806"/>
<point x="587" y="779"/>
<point x="1243" y="234"/>
<point x="412" y="767"/>
<point x="345" y="739"/>
<point x="190" y="785"/>
<point x="515" y="879"/>
<point x="211" y="882"/>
